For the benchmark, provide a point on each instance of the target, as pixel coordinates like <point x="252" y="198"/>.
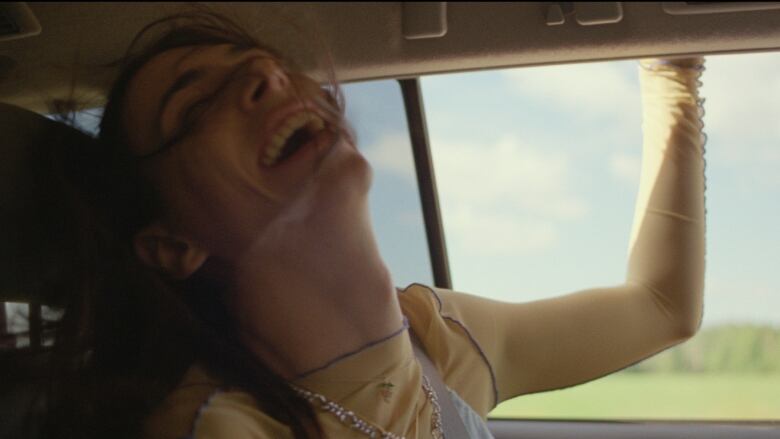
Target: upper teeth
<point x="310" y="120"/>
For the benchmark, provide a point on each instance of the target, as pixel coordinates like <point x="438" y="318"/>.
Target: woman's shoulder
<point x="234" y="414"/>
<point x="201" y="407"/>
<point x="418" y="301"/>
<point x="432" y="311"/>
<point x="453" y="337"/>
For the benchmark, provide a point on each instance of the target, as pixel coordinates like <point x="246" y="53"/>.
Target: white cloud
<point x="505" y="197"/>
<point x="507" y="174"/>
<point x="602" y="89"/>
<point x="472" y="230"/>
<point x="742" y="106"/>
<point x="626" y="167"/>
<point x="392" y="154"/>
<point x="743" y="109"/>
<point x="497" y="198"/>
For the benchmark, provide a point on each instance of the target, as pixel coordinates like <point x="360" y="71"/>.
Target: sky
<point x="537" y="170"/>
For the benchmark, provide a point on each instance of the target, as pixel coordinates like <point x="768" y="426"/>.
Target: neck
<point x="313" y="289"/>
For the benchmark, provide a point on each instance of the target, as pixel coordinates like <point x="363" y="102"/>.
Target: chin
<point x="362" y="170"/>
<point x="343" y="185"/>
<point x="347" y="169"/>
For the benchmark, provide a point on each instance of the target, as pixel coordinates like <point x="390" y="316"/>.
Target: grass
<point x="656" y="396"/>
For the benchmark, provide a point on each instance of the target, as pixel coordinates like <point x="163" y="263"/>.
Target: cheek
<point x="210" y="199"/>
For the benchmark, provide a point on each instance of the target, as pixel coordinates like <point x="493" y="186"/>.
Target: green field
<point x="672" y="396"/>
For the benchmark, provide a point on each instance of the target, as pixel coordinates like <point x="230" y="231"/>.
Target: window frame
<point x="414" y="108"/>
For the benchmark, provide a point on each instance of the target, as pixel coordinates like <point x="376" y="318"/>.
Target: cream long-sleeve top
<point x="489" y="351"/>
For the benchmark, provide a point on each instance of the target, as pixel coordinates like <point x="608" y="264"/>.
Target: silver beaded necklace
<point x="354" y="422"/>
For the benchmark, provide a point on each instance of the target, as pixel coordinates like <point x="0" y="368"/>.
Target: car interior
<point x="51" y="52"/>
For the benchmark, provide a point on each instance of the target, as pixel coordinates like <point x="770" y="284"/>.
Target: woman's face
<point x="247" y="139"/>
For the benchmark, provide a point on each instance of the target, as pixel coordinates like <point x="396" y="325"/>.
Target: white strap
<point x="450" y="418"/>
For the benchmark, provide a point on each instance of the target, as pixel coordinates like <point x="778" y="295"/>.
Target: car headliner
<point x="366" y="40"/>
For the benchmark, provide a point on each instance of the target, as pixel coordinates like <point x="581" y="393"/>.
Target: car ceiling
<point x="366" y="40"/>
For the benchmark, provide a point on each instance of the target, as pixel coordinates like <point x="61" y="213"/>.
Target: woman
<point x="236" y="181"/>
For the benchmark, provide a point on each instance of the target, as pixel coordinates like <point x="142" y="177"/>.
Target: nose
<point x="265" y="78"/>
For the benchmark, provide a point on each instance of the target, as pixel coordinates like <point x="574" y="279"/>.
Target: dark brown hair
<point x="129" y="334"/>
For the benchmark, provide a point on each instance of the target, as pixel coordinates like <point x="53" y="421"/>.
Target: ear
<point x="159" y="248"/>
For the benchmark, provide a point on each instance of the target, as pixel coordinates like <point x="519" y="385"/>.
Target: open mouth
<point x="295" y="133"/>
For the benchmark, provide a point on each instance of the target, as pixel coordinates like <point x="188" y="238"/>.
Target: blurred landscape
<point x="721" y="349"/>
<point x="727" y="372"/>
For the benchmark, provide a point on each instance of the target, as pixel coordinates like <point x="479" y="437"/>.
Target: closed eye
<point x="194" y="112"/>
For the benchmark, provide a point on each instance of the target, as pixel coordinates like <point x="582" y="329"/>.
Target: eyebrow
<point x="181" y="83"/>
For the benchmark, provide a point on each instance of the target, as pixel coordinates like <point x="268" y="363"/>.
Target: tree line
<point x="727" y="348"/>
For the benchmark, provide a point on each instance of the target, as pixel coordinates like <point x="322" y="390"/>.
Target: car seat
<point x="36" y="232"/>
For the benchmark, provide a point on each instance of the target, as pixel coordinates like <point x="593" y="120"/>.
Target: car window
<point x="537" y="172"/>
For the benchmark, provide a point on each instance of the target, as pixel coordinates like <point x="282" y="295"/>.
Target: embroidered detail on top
<point x="386" y="390"/>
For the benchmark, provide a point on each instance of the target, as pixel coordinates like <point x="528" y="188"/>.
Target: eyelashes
<point x="193" y="114"/>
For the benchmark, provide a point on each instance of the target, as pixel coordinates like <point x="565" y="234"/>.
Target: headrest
<point x="37" y="222"/>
